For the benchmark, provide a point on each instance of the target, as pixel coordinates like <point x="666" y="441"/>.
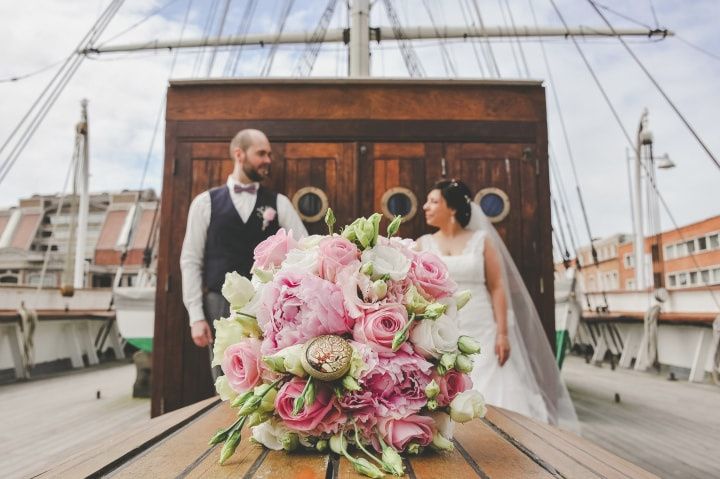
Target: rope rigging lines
<point x="306" y="62"/>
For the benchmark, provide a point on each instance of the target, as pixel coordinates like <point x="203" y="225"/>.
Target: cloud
<point x="126" y="91"/>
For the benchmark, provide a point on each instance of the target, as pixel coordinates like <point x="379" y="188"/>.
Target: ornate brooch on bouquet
<point x="267" y="214"/>
<point x="368" y="358"/>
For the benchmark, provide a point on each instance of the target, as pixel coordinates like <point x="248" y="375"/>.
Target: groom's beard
<point x="256" y="174"/>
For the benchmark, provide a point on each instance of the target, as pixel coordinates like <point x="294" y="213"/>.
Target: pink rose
<point x="451" y="384"/>
<point x="323" y="416"/>
<point x="378" y="326"/>
<point x="269" y="214"/>
<point x="398" y="433"/>
<point x="242" y="365"/>
<point x="297" y="307"/>
<point x="431" y="276"/>
<point x="335" y="253"/>
<point x="398" y="383"/>
<point x="271" y="252"/>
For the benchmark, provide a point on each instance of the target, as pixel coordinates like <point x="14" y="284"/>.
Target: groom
<point x="224" y="226"/>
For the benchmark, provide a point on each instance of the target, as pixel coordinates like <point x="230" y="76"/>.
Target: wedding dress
<point x="510" y="386"/>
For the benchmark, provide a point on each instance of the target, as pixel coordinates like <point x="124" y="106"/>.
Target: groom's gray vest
<point x="230" y="242"/>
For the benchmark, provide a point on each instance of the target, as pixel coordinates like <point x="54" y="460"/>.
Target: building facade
<point x="36" y="244"/>
<point x="685" y="258"/>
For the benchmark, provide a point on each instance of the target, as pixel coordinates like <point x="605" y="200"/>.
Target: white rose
<point x="301" y="261"/>
<point x="432" y="339"/>
<point x="238" y="290"/>
<point x="467" y="406"/>
<point x="310" y="242"/>
<point x="224" y="390"/>
<point x="444" y="424"/>
<point x="269" y="433"/>
<point x="387" y="260"/>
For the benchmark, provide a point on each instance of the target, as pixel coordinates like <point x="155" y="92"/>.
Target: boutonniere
<point x="267" y="214"/>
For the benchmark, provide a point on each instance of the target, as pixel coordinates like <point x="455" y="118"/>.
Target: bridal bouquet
<point x="345" y="339"/>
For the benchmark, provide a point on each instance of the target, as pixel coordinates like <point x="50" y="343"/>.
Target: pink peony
<point x="431" y="276"/>
<point x="398" y="433"/>
<point x="271" y="252"/>
<point x="361" y="405"/>
<point x="242" y="365"/>
<point x="451" y="384"/>
<point x="336" y="253"/>
<point x="398" y="383"/>
<point x="297" y="307"/>
<point x="323" y="416"/>
<point x="378" y="326"/>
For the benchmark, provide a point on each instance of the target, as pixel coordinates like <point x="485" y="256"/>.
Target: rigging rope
<point x="221" y="27"/>
<point x="512" y="44"/>
<point x="56" y="86"/>
<point x="306" y="62"/>
<point x="489" y="49"/>
<point x="657" y="85"/>
<point x="267" y="67"/>
<point x="519" y="43"/>
<point x="409" y="56"/>
<point x="242" y="31"/>
<point x="447" y="61"/>
<point x="473" y="41"/>
<point x="205" y="37"/>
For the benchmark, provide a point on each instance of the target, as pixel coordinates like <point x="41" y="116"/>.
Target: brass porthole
<point x="399" y="201"/>
<point x="311" y="203"/>
<point x="494" y="202"/>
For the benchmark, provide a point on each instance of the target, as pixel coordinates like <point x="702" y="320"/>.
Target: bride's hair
<point x="457" y="197"/>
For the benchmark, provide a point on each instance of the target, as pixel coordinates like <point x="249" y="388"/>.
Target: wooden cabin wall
<point x="354" y="141"/>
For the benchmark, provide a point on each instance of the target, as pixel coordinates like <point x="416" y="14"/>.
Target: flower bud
<point x="448" y="360"/>
<point x="461" y="298"/>
<point x="250" y="405"/>
<point x="367" y="268"/>
<point x="337" y="443"/>
<point x="365" y="467"/>
<point x="468" y="345"/>
<point x="322" y="445"/>
<point x="258" y="417"/>
<point x="414" y="448"/>
<point x="262" y="275"/>
<point x="229" y="447"/>
<point x="237" y="290"/>
<point x="350" y="383"/>
<point x="268" y="401"/>
<point x="394" y="226"/>
<point x="463" y="363"/>
<point x="432" y="404"/>
<point x="392" y="462"/>
<point x="275" y="363"/>
<point x="432" y="389"/>
<point x="379" y="289"/>
<point x="414" y="301"/>
<point x="435" y="310"/>
<point x="240" y="400"/>
<point x="330" y="220"/>
<point x="442" y="444"/>
<point x="290" y="441"/>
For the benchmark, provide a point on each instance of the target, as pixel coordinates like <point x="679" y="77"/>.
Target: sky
<point x="126" y="91"/>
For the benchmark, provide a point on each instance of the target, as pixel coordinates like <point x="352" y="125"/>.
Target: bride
<point x="516" y="368"/>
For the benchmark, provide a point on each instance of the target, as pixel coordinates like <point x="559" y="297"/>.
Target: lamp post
<point x="644" y="144"/>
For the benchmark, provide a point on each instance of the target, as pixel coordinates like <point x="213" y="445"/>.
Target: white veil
<point x="524" y="320"/>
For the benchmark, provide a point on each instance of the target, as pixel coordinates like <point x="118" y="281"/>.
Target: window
<point x="716" y="275"/>
<point x="672" y="280"/>
<point x="629" y="260"/>
<point x="714" y="241"/>
<point x="681" y="249"/>
<point x="705" y="276"/>
<point x="682" y="279"/>
<point x="670" y="251"/>
<point x="629" y="284"/>
<point x="102" y="280"/>
<point x="693" y="277"/>
<point x="311" y="203"/>
<point x="690" y="246"/>
<point x="494" y="202"/>
<point x="702" y="244"/>
<point x="8" y="280"/>
<point x="48" y="279"/>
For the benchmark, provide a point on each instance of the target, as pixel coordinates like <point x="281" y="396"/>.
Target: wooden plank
<point x="172" y="456"/>
<point x="430" y="465"/>
<point x="387" y="99"/>
<point x="124" y="446"/>
<point x="569" y="454"/>
<point x="297" y="465"/>
<point x="248" y="457"/>
<point x="496" y="456"/>
<point x="365" y="130"/>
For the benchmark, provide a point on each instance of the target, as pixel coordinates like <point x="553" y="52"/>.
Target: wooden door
<point x="394" y="174"/>
<point x="315" y="175"/>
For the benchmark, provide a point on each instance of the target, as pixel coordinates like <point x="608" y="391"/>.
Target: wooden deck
<point x="45" y="419"/>
<point x="671" y="428"/>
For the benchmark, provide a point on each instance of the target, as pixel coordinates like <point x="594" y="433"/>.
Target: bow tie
<point x="252" y="189"/>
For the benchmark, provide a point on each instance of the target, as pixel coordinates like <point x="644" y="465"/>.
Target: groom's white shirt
<point x="193" y="250"/>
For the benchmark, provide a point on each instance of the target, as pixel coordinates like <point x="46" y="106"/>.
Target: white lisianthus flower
<point x="301" y="261"/>
<point x="467" y="406"/>
<point x="444" y="424"/>
<point x="432" y="339"/>
<point x="224" y="390"/>
<point x="270" y="433"/>
<point x="461" y="298"/>
<point x="310" y="242"/>
<point x="237" y="290"/>
<point x="290" y="357"/>
<point x="232" y="330"/>
<point x="387" y="260"/>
